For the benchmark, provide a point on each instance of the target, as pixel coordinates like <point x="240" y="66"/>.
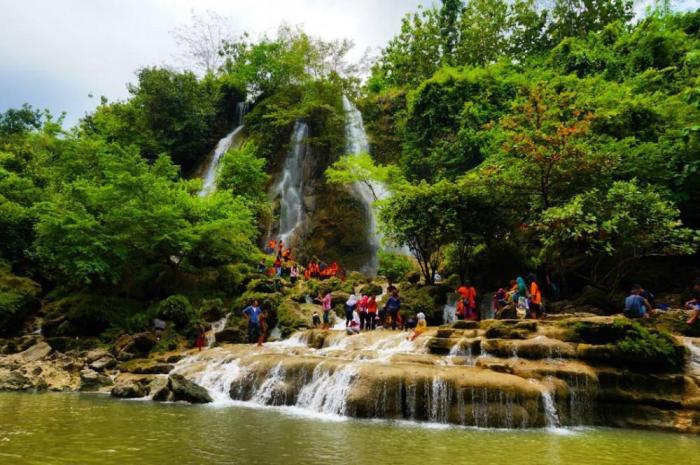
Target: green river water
<point x="92" y="429"/>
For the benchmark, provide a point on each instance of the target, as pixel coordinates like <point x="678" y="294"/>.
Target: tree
<point x="242" y="172"/>
<point x="484" y="31"/>
<point x="420" y="217"/>
<point x="415" y="53"/>
<point x="449" y="27"/>
<point x="545" y="149"/>
<point x="572" y="18"/>
<point x="114" y="218"/>
<point x="204" y="41"/>
<point x="360" y="168"/>
<point x="601" y="235"/>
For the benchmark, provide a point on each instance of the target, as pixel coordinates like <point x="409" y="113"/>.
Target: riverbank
<point x="562" y="372"/>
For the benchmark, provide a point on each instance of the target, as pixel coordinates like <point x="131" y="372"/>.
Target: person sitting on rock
<point x="262" y="267"/>
<point x="636" y="306"/>
<point x="694" y="303"/>
<point x="651" y="298"/>
<point x="354" y="327"/>
<point x="316" y="320"/>
<point x="421" y="326"/>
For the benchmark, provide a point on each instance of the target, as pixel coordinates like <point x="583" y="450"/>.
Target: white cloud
<point x="53" y="53"/>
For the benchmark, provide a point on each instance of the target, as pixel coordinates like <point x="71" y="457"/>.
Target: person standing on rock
<point x="392" y="307"/>
<point x="362" y="311"/>
<point x="372" y="312"/>
<point x="326" y="302"/>
<point x="252" y="314"/>
<point x="535" y="304"/>
<point x="201" y="337"/>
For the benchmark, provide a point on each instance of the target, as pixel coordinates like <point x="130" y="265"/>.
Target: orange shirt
<point x="535" y="294"/>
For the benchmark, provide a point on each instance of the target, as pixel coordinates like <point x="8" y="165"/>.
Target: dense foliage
<point x="578" y="123"/>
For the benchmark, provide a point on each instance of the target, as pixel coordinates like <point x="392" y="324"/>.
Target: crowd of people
<point x="523" y="298"/>
<point x="363" y="313"/>
<point x="284" y="265"/>
<point x="522" y="294"/>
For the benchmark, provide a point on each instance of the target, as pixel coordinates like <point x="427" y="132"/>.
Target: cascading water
<point x="216" y="327"/>
<point x="211" y="171"/>
<point x="357" y="143"/>
<point x="449" y="311"/>
<point x="291" y="184"/>
<point x="328" y="391"/>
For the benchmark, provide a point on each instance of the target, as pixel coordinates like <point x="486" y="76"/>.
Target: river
<point x="94" y="429"/>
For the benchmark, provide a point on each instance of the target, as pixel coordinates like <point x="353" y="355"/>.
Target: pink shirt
<point x="326" y="302"/>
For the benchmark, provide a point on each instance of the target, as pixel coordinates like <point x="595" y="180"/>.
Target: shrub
<point x="393" y="266"/>
<point x="178" y="309"/>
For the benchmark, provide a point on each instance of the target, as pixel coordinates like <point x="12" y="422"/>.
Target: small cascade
<point x="550" y="409"/>
<point x="439" y="399"/>
<point x="327" y="392"/>
<point x="290" y="187"/>
<point x="271" y="391"/>
<point x="216" y="327"/>
<point x="693" y="346"/>
<point x="212" y="167"/>
<point x="214" y="374"/>
<point x="449" y="311"/>
<point x="462" y="349"/>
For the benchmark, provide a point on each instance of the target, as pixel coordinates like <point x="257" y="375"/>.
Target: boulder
<point x="128" y="390"/>
<point x="90" y="380"/>
<point x="146" y="367"/>
<point x="34" y="353"/>
<point x="104" y="363"/>
<point x="123" y="344"/>
<point x="159" y="389"/>
<point x="173" y="358"/>
<point x="231" y="335"/>
<point x="125" y="356"/>
<point x="96" y="354"/>
<point x="13" y="380"/>
<point x="144" y="342"/>
<point x="185" y="390"/>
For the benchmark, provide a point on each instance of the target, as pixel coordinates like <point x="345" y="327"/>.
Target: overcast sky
<point x="54" y="53"/>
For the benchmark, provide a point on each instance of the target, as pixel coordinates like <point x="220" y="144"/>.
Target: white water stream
<point x="290" y="187"/>
<point x="212" y="169"/>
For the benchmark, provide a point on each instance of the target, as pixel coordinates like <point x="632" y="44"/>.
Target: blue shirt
<point x="634" y="305"/>
<point x="253" y="313"/>
<point x="393" y="303"/>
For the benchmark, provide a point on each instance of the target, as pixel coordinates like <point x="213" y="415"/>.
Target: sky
<point x="56" y="53"/>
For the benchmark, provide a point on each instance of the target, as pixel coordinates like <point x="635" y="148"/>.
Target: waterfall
<point x="449" y="311"/>
<point x="356" y="143"/>
<point x="328" y="391"/>
<point x="291" y="185"/>
<point x="269" y="391"/>
<point x="216" y="327"/>
<point x="212" y="167"/>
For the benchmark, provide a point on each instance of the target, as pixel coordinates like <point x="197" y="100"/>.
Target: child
<point x="421" y="326"/>
<point x="316" y="320"/>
